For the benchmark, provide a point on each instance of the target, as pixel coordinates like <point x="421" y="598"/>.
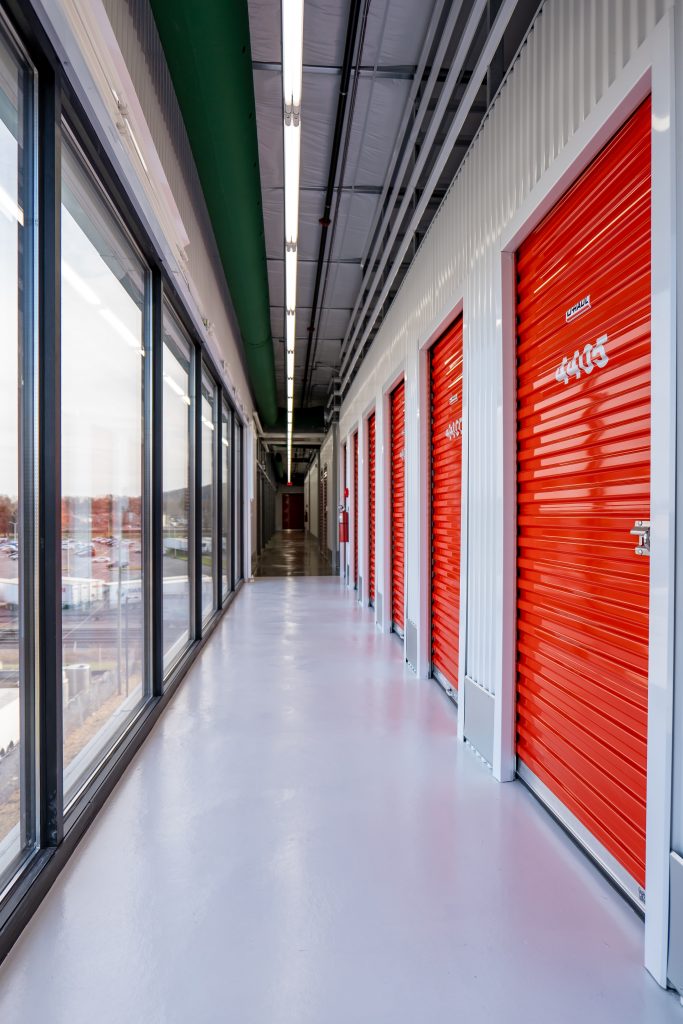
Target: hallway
<point x="302" y="840"/>
<point x="292" y="553"/>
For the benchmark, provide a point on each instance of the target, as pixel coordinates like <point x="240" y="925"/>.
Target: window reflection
<point x="238" y="501"/>
<point x="208" y="498"/>
<point x="17" y="760"/>
<point x="226" y="469"/>
<point x="177" y="419"/>
<point x="104" y="292"/>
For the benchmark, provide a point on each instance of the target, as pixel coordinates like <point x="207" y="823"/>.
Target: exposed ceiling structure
<point x="393" y="94"/>
<point x="376" y="158"/>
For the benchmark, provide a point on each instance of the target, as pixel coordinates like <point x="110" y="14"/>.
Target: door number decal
<point x="592" y="357"/>
<point x="454" y="429"/>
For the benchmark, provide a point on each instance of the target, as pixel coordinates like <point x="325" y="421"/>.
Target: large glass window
<point x="17" y="466"/>
<point x="238" y="501"/>
<point x="104" y="329"/>
<point x="208" y="498"/>
<point x="226" y="469"/>
<point x="177" y="419"/>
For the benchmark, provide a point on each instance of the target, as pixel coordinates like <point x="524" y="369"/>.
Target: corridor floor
<point x="302" y="840"/>
<point x="292" y="553"/>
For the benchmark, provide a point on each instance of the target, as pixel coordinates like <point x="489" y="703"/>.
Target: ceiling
<point x="411" y="68"/>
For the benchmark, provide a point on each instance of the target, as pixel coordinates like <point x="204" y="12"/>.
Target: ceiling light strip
<point x="292" y="75"/>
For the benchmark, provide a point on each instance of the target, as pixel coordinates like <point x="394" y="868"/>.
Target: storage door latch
<point x="641" y="530"/>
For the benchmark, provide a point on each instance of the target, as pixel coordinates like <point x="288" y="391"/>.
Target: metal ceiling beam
<point x="400" y="72"/>
<point x="353" y="261"/>
<point x="352" y="28"/>
<point x="418" y="164"/>
<point x="412" y="119"/>
<point x="328" y="309"/>
<point x="365" y="190"/>
<point x="437" y="165"/>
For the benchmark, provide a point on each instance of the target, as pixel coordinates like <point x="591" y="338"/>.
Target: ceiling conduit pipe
<point x="325" y="220"/>
<point x="208" y="52"/>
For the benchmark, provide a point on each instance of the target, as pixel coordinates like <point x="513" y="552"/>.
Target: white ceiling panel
<point x="356" y="212"/>
<point x="325" y="23"/>
<point x="395" y="31"/>
<point x="379" y="109"/>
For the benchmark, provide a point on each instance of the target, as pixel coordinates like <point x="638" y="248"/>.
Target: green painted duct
<point x="208" y="52"/>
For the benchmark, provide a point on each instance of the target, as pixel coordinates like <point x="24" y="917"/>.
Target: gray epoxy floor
<point x="303" y="841"/>
<point x="293" y="553"/>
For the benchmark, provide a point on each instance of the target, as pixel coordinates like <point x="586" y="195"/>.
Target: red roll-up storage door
<point x="355" y="509"/>
<point x="371" y="509"/>
<point x="445" y="378"/>
<point x="397" y="506"/>
<point x="583" y="479"/>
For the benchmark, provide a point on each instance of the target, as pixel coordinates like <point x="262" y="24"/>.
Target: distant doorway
<point x="292" y="511"/>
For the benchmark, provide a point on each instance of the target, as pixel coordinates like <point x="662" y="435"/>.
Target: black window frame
<point x="60" y="831"/>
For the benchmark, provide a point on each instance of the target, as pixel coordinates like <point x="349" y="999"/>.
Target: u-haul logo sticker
<point x="579" y="307"/>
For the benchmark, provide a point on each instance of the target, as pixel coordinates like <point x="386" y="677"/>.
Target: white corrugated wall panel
<point x="314" y="499"/>
<point x="572" y="54"/>
<point x="328" y="458"/>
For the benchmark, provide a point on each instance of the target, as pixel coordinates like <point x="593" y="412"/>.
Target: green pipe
<point x="208" y="52"/>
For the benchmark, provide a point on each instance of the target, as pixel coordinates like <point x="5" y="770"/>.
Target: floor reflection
<point x="293" y="553"/>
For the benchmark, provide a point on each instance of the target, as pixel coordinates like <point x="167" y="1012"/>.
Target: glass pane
<point x="17" y="817"/>
<point x="104" y="294"/>
<point x="226" y="450"/>
<point x="238" y="501"/>
<point x="208" y="499"/>
<point x="177" y="415"/>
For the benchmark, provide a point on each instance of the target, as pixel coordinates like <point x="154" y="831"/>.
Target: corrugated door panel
<point x="355" y="509"/>
<point x="583" y="478"/>
<point x="397" y="505"/>
<point x="445" y="379"/>
<point x="371" y="508"/>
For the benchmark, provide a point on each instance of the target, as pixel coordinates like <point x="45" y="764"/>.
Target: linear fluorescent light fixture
<point x="292" y="57"/>
<point x="291" y="331"/>
<point x="290" y="279"/>
<point x="292" y="79"/>
<point x="292" y="170"/>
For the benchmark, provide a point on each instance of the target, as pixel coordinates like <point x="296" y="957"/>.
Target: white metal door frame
<point x="650" y="71"/>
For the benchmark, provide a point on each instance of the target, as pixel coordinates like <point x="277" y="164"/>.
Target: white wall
<point x="313" y="482"/>
<point x="584" y="67"/>
<point x="329" y="456"/>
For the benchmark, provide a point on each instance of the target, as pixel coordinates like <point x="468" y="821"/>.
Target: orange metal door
<point x="397" y="505"/>
<point x="355" y="510"/>
<point x="371" y="509"/>
<point x="445" y="379"/>
<point x="583" y="479"/>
